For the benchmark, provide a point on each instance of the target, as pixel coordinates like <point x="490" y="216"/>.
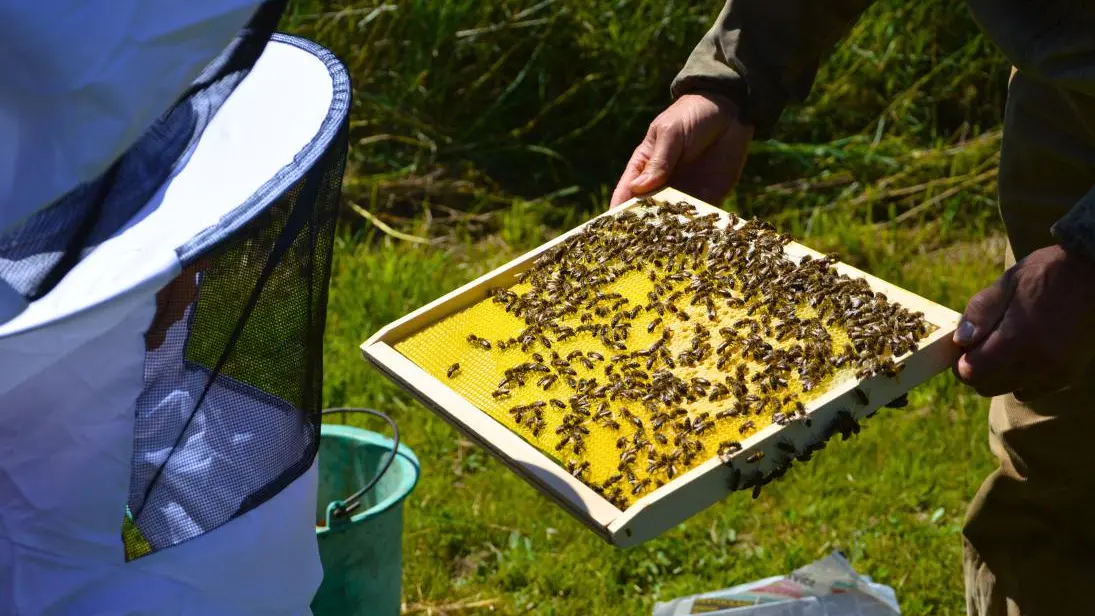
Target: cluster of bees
<point x="671" y="336"/>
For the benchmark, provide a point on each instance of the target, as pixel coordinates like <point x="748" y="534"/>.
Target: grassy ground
<point x="482" y="128"/>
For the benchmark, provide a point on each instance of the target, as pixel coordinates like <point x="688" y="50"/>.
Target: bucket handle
<point x="341" y="509"/>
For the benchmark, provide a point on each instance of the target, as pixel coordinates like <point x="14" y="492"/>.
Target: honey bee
<point x="728" y="448"/>
<point x="700" y="427"/>
<point x="577" y="469"/>
<point x="846" y="424"/>
<point x="899" y="402"/>
<point x="727" y="413"/>
<point x="627" y="458"/>
<point x="861" y="396"/>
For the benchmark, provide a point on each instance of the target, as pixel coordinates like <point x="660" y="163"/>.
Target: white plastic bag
<point x="828" y="587"/>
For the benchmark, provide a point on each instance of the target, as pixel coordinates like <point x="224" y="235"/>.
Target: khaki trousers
<point x="1029" y="533"/>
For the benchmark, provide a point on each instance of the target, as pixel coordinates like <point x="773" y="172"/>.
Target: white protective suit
<point x="81" y="80"/>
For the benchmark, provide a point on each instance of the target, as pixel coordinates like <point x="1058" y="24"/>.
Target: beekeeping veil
<point x="169" y="179"/>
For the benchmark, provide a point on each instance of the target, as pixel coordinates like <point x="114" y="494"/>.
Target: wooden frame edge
<point x="700" y="487"/>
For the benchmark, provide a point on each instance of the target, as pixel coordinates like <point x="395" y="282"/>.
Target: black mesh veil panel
<point x="233" y="378"/>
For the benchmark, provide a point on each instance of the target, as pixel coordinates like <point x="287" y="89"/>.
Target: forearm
<point x="1076" y="229"/>
<point x="764" y="54"/>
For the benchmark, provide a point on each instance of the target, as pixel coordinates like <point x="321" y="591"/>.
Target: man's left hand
<point x="1031" y="333"/>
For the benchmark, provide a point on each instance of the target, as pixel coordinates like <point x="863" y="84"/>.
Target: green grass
<point x="484" y="128"/>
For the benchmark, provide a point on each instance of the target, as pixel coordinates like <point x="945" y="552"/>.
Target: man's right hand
<point x="698" y="145"/>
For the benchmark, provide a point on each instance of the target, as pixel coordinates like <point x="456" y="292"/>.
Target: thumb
<point x="668" y="144"/>
<point x="984" y="311"/>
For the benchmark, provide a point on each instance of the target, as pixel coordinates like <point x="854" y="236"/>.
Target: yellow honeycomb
<point x="444" y="343"/>
<point x="594" y="326"/>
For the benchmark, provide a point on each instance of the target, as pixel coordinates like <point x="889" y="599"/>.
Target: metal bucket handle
<point x="340" y="510"/>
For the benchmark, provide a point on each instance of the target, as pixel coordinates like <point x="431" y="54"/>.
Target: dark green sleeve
<point x="1052" y="42"/>
<point x="1076" y="230"/>
<point x="764" y="54"/>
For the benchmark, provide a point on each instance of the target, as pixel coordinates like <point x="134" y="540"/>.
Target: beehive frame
<point x="699" y="487"/>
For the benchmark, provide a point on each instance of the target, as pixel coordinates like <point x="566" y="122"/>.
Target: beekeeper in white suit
<point x="137" y="139"/>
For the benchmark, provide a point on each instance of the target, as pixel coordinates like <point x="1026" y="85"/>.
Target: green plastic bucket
<point x="362" y="550"/>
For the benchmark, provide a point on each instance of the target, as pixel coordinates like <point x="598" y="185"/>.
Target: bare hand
<point x="698" y="145"/>
<point x="1031" y="333"/>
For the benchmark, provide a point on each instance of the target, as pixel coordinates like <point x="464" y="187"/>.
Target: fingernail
<point x="964" y="334"/>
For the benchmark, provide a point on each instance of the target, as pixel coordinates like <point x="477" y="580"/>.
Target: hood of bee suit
<point x="82" y="80"/>
<point x="73" y="361"/>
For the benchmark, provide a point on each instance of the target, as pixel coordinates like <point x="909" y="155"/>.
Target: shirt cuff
<point x="706" y="72"/>
<point x="1076" y="230"/>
